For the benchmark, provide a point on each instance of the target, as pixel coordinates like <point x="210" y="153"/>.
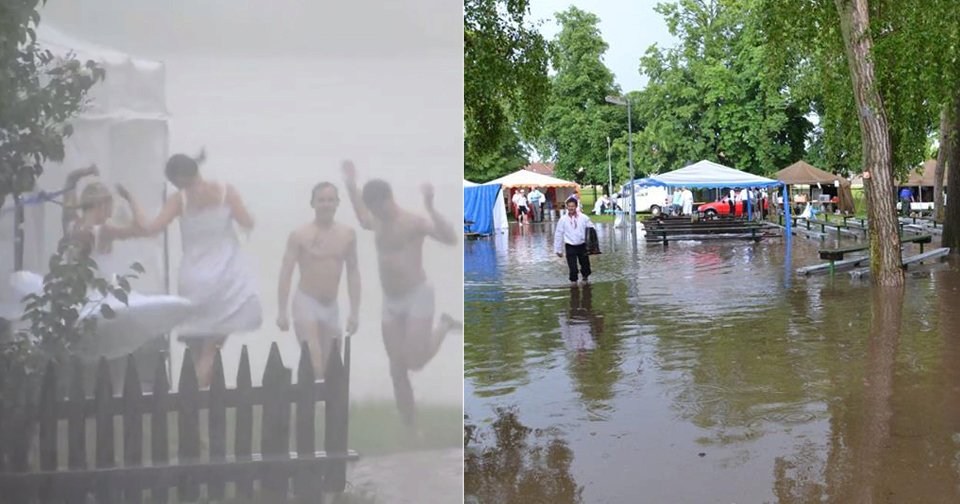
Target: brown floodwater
<point x="708" y="372"/>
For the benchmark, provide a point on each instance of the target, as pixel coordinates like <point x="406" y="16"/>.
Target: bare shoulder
<point x="300" y="234"/>
<point x="344" y="232"/>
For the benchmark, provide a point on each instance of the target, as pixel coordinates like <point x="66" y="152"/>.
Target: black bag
<point x="593" y="243"/>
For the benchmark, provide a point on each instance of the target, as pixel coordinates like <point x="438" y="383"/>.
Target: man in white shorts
<point x="322" y="249"/>
<point x="409" y="335"/>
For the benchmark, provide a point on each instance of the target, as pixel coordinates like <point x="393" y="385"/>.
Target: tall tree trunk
<point x="946" y="132"/>
<point x="885" y="259"/>
<point x="951" y="218"/>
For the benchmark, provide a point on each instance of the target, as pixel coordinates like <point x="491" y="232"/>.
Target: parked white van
<point x="651" y="199"/>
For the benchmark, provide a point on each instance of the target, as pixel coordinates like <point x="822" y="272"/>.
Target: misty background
<point x="279" y="92"/>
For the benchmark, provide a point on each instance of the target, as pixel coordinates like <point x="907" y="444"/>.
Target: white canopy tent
<point x="500" y="223"/>
<point x="525" y="179"/>
<point x="124" y="132"/>
<point x="708" y="175"/>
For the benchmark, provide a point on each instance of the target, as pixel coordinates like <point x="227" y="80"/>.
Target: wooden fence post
<point x="106" y="455"/>
<point x="243" y="440"/>
<point x="132" y="430"/>
<point x="77" y="432"/>
<point x="306" y="485"/>
<point x="275" y="436"/>
<point x="47" y="420"/>
<point x="188" y="413"/>
<point x="159" y="440"/>
<point x="217" y="422"/>
<point x="335" y="442"/>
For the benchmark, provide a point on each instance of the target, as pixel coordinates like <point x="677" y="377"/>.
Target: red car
<point x="722" y="208"/>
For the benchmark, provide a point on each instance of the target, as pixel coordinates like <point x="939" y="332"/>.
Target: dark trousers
<point x="905" y="206"/>
<point x="578" y="253"/>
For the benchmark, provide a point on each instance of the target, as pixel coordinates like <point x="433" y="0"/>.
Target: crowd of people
<point x="217" y="281"/>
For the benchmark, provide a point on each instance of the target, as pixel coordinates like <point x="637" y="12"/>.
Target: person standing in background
<point x="536" y="199"/>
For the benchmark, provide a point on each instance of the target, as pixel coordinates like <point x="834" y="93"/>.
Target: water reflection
<point x="519" y="465"/>
<point x="702" y="373"/>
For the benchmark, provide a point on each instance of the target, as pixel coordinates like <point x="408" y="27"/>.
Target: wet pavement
<point x="709" y="372"/>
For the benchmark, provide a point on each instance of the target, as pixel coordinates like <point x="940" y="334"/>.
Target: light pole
<point x="617" y="100"/>
<point x="609" y="171"/>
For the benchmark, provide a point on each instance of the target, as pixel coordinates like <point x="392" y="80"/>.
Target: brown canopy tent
<point x="803" y="173"/>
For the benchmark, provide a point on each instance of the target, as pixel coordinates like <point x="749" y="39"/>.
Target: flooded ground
<point x="709" y="372"/>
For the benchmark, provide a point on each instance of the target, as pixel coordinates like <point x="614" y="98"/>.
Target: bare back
<point x="400" y="252"/>
<point x="321" y="256"/>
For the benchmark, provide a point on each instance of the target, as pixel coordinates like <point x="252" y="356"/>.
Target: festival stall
<point x="556" y="190"/>
<point x="802" y="173"/>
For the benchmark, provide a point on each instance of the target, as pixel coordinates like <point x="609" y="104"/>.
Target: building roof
<point x="541" y="168"/>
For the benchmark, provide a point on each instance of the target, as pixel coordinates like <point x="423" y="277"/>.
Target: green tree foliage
<point x="505" y="78"/>
<point x="578" y="119"/>
<point x="713" y="97"/>
<point x="38" y="94"/>
<point x="509" y="157"/>
<point x="915" y="51"/>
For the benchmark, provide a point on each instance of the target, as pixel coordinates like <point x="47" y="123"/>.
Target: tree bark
<point x="951" y="218"/>
<point x="945" y="134"/>
<point x="885" y="259"/>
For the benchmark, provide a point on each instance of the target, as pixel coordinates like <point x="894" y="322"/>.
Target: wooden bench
<point x="919" y="258"/>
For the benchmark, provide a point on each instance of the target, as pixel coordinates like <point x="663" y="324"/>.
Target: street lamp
<point x="609" y="171"/>
<point x="618" y="100"/>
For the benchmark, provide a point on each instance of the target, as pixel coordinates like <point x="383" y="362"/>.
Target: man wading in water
<point x="571" y="237"/>
<point x="409" y="335"/>
<point x="321" y="249"/>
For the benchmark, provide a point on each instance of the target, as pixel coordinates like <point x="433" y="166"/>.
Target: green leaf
<point x="107" y="312"/>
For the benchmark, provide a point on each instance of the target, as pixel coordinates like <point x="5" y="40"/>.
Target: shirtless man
<point x="321" y="249"/>
<point x="407" y="326"/>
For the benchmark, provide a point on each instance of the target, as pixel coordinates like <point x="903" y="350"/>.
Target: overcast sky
<point x="628" y="26"/>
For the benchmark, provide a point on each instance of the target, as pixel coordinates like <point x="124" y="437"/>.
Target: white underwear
<point x="306" y="309"/>
<point x="417" y="303"/>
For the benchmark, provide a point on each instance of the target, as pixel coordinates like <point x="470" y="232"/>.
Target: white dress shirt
<point x="571" y="231"/>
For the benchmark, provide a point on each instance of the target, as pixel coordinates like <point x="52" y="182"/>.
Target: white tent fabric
<point x="124" y="132"/>
<point x="527" y="178"/>
<point x="708" y="175"/>
<point x="500" y="223"/>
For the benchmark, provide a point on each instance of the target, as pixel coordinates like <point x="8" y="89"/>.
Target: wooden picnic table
<point x="837" y="254"/>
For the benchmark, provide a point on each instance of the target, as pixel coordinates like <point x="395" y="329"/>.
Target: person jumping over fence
<point x="410" y="337"/>
<point x="571" y="238"/>
<point x="322" y="250"/>
<point x="214" y="274"/>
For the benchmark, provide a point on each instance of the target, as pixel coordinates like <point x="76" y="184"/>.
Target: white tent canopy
<point x="124" y="132"/>
<point x="500" y="223"/>
<point x="708" y="175"/>
<point x="527" y="178"/>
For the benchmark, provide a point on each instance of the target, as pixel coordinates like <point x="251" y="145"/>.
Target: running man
<point x="321" y="249"/>
<point x="410" y="337"/>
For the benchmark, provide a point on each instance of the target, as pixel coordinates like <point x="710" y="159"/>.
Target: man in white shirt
<point x="536" y="198"/>
<point x="520" y="200"/>
<point x="686" y="198"/>
<point x="571" y="238"/>
<point x="744" y="201"/>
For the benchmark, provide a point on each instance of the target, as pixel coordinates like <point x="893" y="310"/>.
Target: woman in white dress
<point x="141" y="317"/>
<point x="214" y="275"/>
